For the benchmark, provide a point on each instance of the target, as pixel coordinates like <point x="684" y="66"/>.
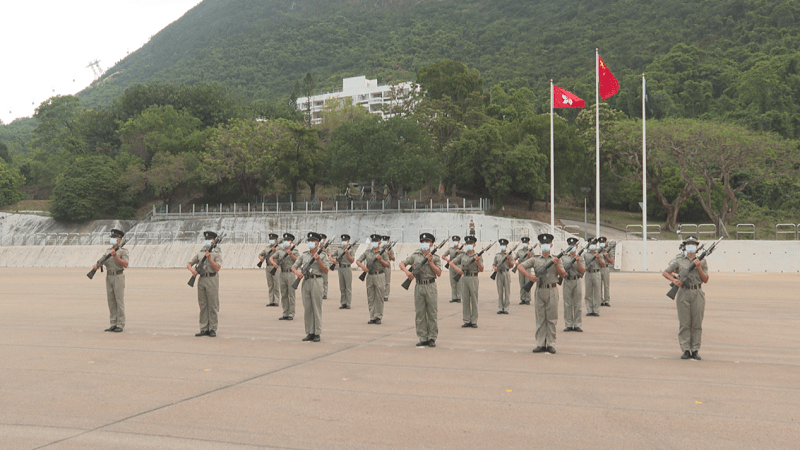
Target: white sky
<point x="45" y="45"/>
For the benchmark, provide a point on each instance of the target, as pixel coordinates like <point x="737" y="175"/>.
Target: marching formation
<point x="287" y="270"/>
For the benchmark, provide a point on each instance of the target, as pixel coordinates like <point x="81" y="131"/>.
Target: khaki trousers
<point x="605" y="277"/>
<point x="503" y="290"/>
<point x="273" y="290"/>
<point x="346" y="285"/>
<point x="691" y="308"/>
<point x="546" y="316"/>
<point x="456" y="287"/>
<point x="469" y="302"/>
<point x="524" y="296"/>
<point x="325" y="285"/>
<point x="375" y="286"/>
<point x="312" y="305"/>
<point x="591" y="286"/>
<point x="208" y="299"/>
<point x="286" y="279"/>
<point x="572" y="303"/>
<point x="426" y="309"/>
<point x="115" y="294"/>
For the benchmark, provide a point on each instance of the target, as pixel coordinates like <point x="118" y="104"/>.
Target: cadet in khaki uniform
<point x="425" y="293"/>
<point x="605" y="272"/>
<point x="469" y="265"/>
<point x="523" y="254"/>
<point x="312" y="285"/>
<point x="503" y="262"/>
<point x="115" y="282"/>
<point x="325" y="275"/>
<point x="593" y="263"/>
<point x="284" y="263"/>
<point x="373" y="263"/>
<point x="690" y="300"/>
<point x="343" y="259"/>
<point x="208" y="286"/>
<point x="571" y="288"/>
<point x="546" y="301"/>
<point x="388" y="272"/>
<point x="273" y="290"/>
<point x="456" y="287"/>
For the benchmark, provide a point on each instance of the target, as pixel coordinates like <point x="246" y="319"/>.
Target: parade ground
<point x="66" y="384"/>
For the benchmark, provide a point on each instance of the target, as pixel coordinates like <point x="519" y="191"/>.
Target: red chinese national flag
<point x="566" y="99"/>
<point x="608" y="83"/>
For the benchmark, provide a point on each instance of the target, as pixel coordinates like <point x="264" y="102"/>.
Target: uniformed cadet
<point x="374" y="264"/>
<point x="690" y="300"/>
<point x="523" y="254"/>
<point x="343" y="259"/>
<point x="388" y="272"/>
<point x="273" y="290"/>
<point x="605" y="272"/>
<point x="593" y="263"/>
<point x="325" y="275"/>
<point x="425" y="293"/>
<point x="449" y="256"/>
<point x="469" y="265"/>
<point x="571" y="287"/>
<point x="546" y="299"/>
<point x="503" y="262"/>
<point x="284" y="263"/>
<point x="115" y="282"/>
<point x="208" y="286"/>
<point x="312" y="285"/>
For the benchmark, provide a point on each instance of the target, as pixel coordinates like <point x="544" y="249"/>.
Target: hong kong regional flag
<point x="608" y="83"/>
<point x="566" y="99"/>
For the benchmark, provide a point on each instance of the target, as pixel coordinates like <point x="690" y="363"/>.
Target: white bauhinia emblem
<point x="566" y="100"/>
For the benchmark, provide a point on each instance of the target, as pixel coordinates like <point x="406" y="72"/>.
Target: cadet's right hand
<point x="677" y="282"/>
<point x="94" y="267"/>
<point x="194" y="272"/>
<point x="410" y="275"/>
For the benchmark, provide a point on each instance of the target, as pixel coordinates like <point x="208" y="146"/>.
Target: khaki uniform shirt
<point x="467" y="262"/>
<point x="267" y="252"/>
<point x="589" y="256"/>
<point x="286" y="265"/>
<point x="208" y="269"/>
<point x="417" y="259"/>
<point x="572" y="271"/>
<point x="343" y="260"/>
<point x="111" y="263"/>
<point x="678" y="265"/>
<point x="522" y="254"/>
<point x="452" y="253"/>
<point x="368" y="259"/>
<point x="501" y="262"/>
<point x="538" y="263"/>
<point x="301" y="262"/>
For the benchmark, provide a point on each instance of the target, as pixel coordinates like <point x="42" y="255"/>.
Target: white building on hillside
<point x="364" y="92"/>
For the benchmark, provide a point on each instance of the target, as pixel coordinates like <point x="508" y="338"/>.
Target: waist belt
<point x="205" y="275"/>
<point x="470" y="274"/>
<point x="593" y="270"/>
<point x="428" y="281"/>
<point x="311" y="277"/>
<point x="692" y="286"/>
<point x="375" y="272"/>
<point x="115" y="272"/>
<point x="573" y="277"/>
<point x="546" y="286"/>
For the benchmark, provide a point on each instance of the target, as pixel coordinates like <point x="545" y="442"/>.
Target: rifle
<point x="307" y="269"/>
<point x="458" y="275"/>
<point x="514" y="269"/>
<point x="266" y="257"/>
<point x="363" y="275"/>
<point x="541" y="273"/>
<point x="447" y="266"/>
<point x="288" y="252"/>
<point x="511" y="252"/>
<point x="407" y="283"/>
<point x="199" y="267"/>
<point x="685" y="273"/>
<point x="105" y="258"/>
<point x="569" y="264"/>
<point x="344" y="252"/>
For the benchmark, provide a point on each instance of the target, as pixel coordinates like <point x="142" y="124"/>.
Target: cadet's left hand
<point x="113" y="253"/>
<point x="697" y="262"/>
<point x="429" y="256"/>
<point x="556" y="261"/>
<point x="208" y="255"/>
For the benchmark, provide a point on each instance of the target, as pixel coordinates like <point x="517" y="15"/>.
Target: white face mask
<point x="425" y="246"/>
<point x="272" y="242"/>
<point x="113" y="241"/>
<point x="592" y="247"/>
<point x="524" y="245"/>
<point x="384" y="242"/>
<point x="287" y="244"/>
<point x="468" y="247"/>
<point x="455" y="244"/>
<point x="502" y="248"/>
<point x="602" y="245"/>
<point x="311" y="245"/>
<point x="545" y="248"/>
<point x="207" y="242"/>
<point x="375" y="244"/>
<point x="345" y="243"/>
<point x="691" y="249"/>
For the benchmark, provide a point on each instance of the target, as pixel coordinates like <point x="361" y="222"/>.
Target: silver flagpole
<point x="644" y="175"/>
<point x="552" y="187"/>
<point x="597" y="141"/>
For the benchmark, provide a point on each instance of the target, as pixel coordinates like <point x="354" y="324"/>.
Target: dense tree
<point x="10" y="184"/>
<point x="88" y="188"/>
<point x="161" y="129"/>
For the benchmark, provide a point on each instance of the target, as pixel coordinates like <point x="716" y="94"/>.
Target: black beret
<point x="545" y="238"/>
<point x="273" y="236"/>
<point x="312" y="236"/>
<point x="427" y="237"/>
<point x="602" y="239"/>
<point x="525" y="239"/>
<point x="117" y="233"/>
<point x="572" y="241"/>
<point x="690" y="240"/>
<point x="323" y="236"/>
<point x="345" y="237"/>
<point x="288" y="236"/>
<point x="209" y="235"/>
<point x="503" y="241"/>
<point x="470" y="239"/>
<point x="375" y="237"/>
<point x="386" y="238"/>
<point x="457" y="238"/>
<point x="592" y="241"/>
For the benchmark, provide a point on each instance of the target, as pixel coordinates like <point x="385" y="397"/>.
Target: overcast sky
<point x="47" y="44"/>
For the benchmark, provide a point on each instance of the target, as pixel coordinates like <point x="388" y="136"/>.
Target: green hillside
<point x="703" y="57"/>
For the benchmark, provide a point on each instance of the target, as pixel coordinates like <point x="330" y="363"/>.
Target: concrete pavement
<point x="65" y="384"/>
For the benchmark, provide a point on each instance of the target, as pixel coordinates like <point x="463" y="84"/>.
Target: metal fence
<point x="315" y="207"/>
<point x="134" y="238"/>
